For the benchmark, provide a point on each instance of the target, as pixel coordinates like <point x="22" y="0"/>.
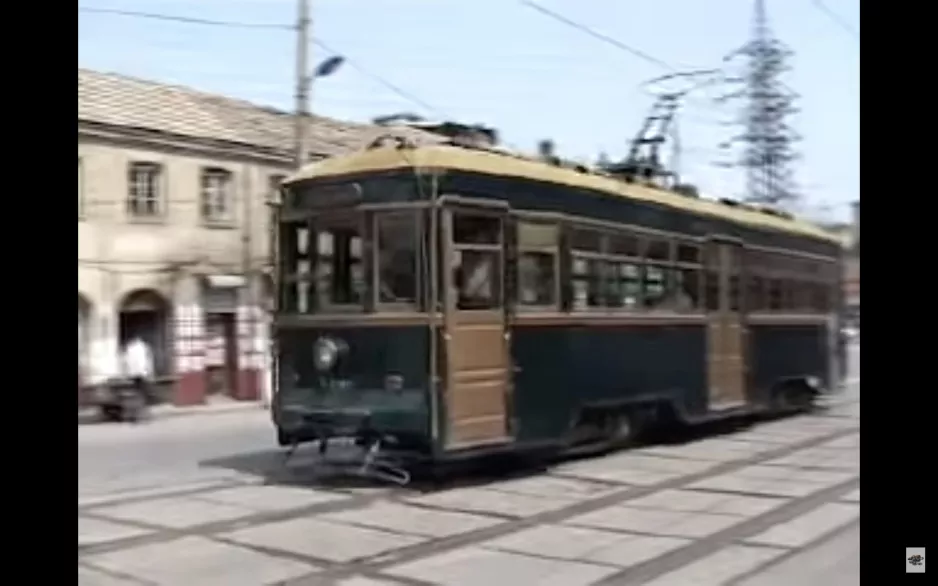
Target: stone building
<point x="852" y="268"/>
<point x="173" y="229"/>
<point x="849" y="235"/>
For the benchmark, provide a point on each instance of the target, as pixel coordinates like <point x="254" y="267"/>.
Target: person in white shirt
<point x="138" y="365"/>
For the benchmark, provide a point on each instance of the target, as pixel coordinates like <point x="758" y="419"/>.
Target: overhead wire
<point x="387" y="84"/>
<point x="597" y="35"/>
<point x="616" y="43"/>
<point x="184" y="19"/>
<point x="381" y="80"/>
<point x="836" y="18"/>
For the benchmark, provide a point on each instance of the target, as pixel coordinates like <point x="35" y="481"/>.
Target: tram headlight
<point x="326" y="354"/>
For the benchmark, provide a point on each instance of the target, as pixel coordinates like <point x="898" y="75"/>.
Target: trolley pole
<point x="301" y="116"/>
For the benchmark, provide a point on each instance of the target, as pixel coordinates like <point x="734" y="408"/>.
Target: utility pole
<point x="248" y="351"/>
<point x="301" y="115"/>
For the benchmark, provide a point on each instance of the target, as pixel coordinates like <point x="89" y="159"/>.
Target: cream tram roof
<point x="499" y="163"/>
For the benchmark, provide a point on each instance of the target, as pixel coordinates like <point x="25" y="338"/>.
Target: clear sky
<point x="503" y="64"/>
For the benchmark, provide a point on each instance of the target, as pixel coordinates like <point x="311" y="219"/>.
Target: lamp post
<point x="304" y="80"/>
<point x="325" y="68"/>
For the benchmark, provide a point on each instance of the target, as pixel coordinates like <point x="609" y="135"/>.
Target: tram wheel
<point x="793" y="397"/>
<point x="801" y="397"/>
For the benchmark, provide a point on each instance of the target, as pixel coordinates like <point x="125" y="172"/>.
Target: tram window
<point x="625" y="285"/>
<point x="295" y="249"/>
<point x="801" y="296"/>
<point x="611" y="286"/>
<point x="586" y="240"/>
<point x="580" y="294"/>
<point x="298" y="297"/>
<point x="397" y="240"/>
<point x="533" y="235"/>
<point x="536" y="279"/>
<point x="735" y="294"/>
<point x="658" y="250"/>
<point x="624" y="245"/>
<point x="288" y="298"/>
<point x="655" y="286"/>
<point x="688" y="253"/>
<point x="475" y="277"/>
<point x="297" y="292"/>
<point x="473" y="229"/>
<point x="789" y="298"/>
<point x="712" y="291"/>
<point x="734" y="258"/>
<point x="587" y="279"/>
<point x="757" y="294"/>
<point x="820" y="298"/>
<point x="686" y="295"/>
<point x="775" y="294"/>
<point x="340" y="278"/>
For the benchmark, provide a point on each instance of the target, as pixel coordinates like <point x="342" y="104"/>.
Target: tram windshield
<point x="328" y="261"/>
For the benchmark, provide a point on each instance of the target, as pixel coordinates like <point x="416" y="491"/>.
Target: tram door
<point x="726" y="326"/>
<point x="477" y="389"/>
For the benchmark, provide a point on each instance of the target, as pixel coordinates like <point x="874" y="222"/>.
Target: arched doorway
<point x="145" y="314"/>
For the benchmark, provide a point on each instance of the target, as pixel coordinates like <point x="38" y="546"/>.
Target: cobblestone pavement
<point x="722" y="509"/>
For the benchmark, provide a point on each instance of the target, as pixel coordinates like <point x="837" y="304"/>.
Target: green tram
<point x="443" y="302"/>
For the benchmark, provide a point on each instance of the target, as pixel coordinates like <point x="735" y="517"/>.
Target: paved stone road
<point x="742" y="508"/>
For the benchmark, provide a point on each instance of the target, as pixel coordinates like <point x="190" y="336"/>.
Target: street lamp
<point x="325" y="68"/>
<point x="328" y="66"/>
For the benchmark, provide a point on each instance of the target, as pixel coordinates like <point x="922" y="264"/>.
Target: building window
<point x="81" y="191"/>
<point x="144" y="196"/>
<point x="217" y="200"/>
<point x="274" y="182"/>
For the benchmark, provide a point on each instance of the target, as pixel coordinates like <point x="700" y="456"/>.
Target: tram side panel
<point x="562" y="369"/>
<point x="786" y="351"/>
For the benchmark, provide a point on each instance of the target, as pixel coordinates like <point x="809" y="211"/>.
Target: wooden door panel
<point x="477" y="347"/>
<point x="477" y="431"/>
<point x="475" y="398"/>
<point x="726" y="334"/>
<point x="477" y="389"/>
<point x="478" y="377"/>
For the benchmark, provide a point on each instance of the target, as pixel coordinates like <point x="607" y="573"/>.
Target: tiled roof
<point x="119" y="100"/>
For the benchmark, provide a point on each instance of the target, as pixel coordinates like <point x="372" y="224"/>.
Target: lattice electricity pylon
<point x="764" y="148"/>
